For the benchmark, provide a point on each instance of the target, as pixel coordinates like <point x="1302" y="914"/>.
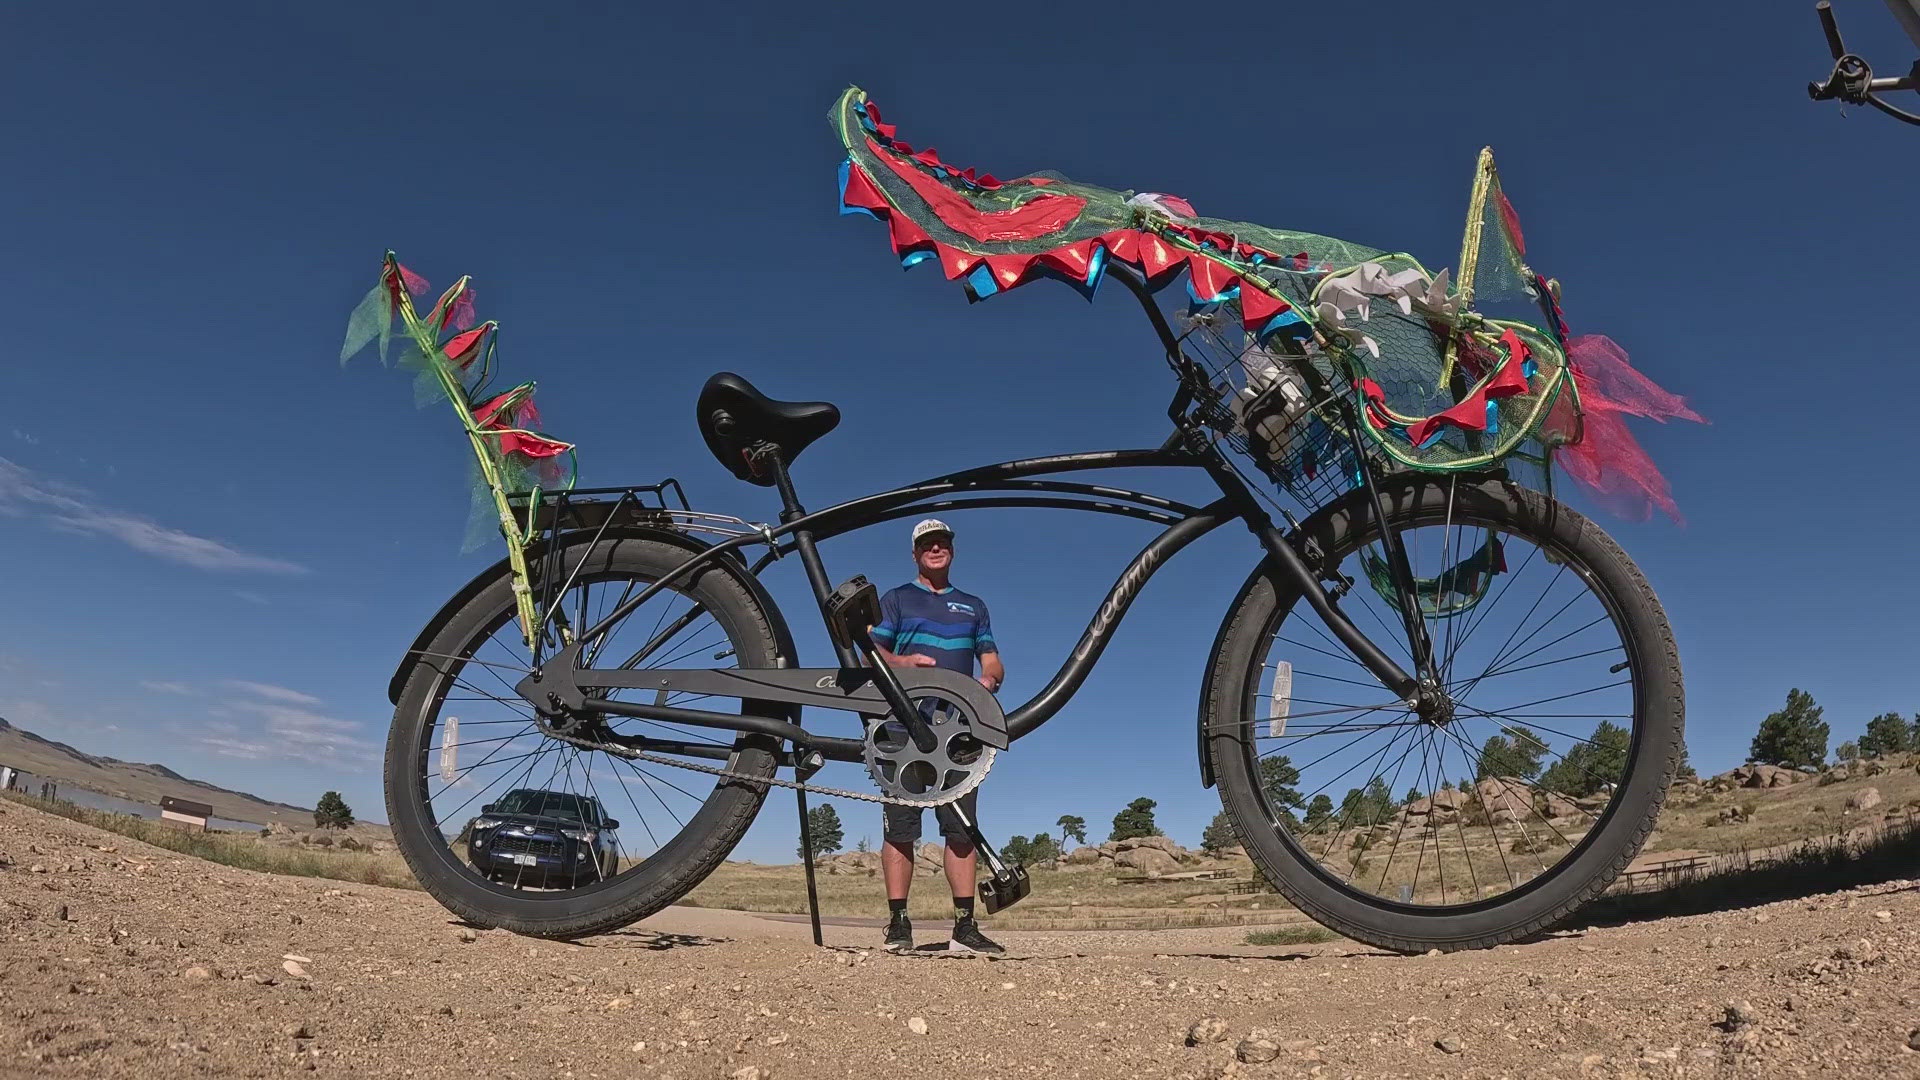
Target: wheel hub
<point x="1434" y="705"/>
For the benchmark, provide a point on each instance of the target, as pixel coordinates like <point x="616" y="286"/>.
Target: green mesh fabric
<point x="1431" y="370"/>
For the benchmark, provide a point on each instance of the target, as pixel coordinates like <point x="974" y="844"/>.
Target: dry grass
<point x="1826" y="864"/>
<point x="243" y="850"/>
<point x="1780" y="815"/>
<point x="1292" y="935"/>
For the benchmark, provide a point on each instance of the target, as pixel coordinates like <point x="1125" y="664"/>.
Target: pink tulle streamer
<point x="460" y="314"/>
<point x="415" y="284"/>
<point x="1608" y="460"/>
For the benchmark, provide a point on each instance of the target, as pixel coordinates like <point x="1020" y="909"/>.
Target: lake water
<point x="31" y="785"/>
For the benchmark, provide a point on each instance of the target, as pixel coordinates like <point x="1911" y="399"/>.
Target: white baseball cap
<point x="929" y="527"/>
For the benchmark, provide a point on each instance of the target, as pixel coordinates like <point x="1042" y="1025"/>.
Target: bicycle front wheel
<point x="1478" y="827"/>
<point x="508" y="826"/>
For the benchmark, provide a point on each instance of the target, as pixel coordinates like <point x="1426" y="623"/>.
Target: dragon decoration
<point x="454" y="358"/>
<point x="1442" y="385"/>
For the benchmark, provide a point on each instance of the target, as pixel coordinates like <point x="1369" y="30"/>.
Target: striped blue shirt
<point x="951" y="626"/>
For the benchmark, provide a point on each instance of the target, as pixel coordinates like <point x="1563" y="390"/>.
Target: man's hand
<point x="910" y="660"/>
<point x="992" y="684"/>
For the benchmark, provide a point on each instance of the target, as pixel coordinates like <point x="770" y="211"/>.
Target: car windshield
<point x="550" y="804"/>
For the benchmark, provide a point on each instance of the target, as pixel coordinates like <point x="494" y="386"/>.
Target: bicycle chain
<point x="796" y="785"/>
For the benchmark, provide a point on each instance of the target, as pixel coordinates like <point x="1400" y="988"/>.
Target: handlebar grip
<point x="1832" y="29"/>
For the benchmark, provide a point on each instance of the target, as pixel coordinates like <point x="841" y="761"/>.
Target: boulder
<point x="1082" y="856"/>
<point x="1164" y="843"/>
<point x="318" y="838"/>
<point x="1148" y="860"/>
<point x="1557" y="805"/>
<point x="1233" y="852"/>
<point x="348" y="843"/>
<point x="930" y="859"/>
<point x="1864" y="799"/>
<point x="1505" y="798"/>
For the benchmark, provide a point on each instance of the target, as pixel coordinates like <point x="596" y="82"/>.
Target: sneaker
<point x="899" y="934"/>
<point x="968" y="938"/>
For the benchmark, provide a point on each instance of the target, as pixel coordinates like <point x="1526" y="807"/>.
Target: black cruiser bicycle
<point x="1442" y="712"/>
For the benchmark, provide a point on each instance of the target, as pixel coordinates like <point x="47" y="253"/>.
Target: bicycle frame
<point x="556" y="686"/>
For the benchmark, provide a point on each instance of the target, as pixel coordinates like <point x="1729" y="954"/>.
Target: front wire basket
<point x="1279" y="407"/>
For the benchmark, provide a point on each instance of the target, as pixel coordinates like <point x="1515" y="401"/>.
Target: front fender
<point x="783" y="637"/>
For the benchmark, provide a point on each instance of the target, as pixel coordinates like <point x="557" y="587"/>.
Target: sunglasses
<point x="933" y="541"/>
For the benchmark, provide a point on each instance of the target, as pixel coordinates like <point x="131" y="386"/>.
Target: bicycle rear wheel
<point x="1497" y="822"/>
<point x="507" y="826"/>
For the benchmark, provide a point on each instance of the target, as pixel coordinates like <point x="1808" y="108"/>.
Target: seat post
<point x="790" y="511"/>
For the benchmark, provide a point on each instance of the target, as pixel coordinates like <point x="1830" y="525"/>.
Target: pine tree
<point x="1318" y="811"/>
<point x="1795" y="736"/>
<point x="1219" y="835"/>
<point x="1015" y="850"/>
<point x="1042" y="849"/>
<point x="1135" y="820"/>
<point x="1072" y="828"/>
<point x="332" y="812"/>
<point x="1887" y="734"/>
<point x="1591" y="765"/>
<point x="823" y="823"/>
<point x="1847" y="751"/>
<point x="1517" y="753"/>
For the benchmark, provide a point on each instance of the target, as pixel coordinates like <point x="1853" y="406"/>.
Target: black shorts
<point x="904" y="823"/>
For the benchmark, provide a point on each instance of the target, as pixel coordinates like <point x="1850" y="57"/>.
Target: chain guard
<point x="979" y="774"/>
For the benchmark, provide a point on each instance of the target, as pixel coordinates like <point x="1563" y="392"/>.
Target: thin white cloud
<point x="276" y="693"/>
<point x="23" y="493"/>
<point x="273" y="731"/>
<point x="25" y="438"/>
<point x="251" y="597"/>
<point x="166" y="687"/>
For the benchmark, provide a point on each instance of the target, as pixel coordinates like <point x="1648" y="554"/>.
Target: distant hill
<point x="138" y="782"/>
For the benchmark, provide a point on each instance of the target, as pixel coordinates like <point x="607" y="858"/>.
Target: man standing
<point x="929" y="623"/>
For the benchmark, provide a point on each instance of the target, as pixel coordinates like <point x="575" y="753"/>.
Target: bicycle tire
<point x="678" y="865"/>
<point x="1261" y="610"/>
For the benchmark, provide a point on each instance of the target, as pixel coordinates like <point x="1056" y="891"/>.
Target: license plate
<point x="523" y="860"/>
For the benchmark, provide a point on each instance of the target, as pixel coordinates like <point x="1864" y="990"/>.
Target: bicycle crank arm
<point x="559" y="688"/>
<point x="1005" y="885"/>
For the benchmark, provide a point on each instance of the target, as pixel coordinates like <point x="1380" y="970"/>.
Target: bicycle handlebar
<point x="1852" y="78"/>
<point x="1832" y="28"/>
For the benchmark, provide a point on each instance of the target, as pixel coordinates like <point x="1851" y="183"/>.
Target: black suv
<point x="543" y="838"/>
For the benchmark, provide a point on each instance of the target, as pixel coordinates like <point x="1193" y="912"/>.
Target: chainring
<point x="909" y="776"/>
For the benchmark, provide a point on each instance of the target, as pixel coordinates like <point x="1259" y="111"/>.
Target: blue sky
<point x="221" y="541"/>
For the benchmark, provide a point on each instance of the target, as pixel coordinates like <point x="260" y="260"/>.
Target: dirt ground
<point x="122" y="960"/>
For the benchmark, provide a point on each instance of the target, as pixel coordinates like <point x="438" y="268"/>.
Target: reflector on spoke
<point x="1282" y="699"/>
<point x="449" y="750"/>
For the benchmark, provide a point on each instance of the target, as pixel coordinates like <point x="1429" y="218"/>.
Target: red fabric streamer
<point x="1031" y="220"/>
<point x="1210" y="278"/>
<point x="463" y="348"/>
<point x="505" y="416"/>
<point x="1471" y="412"/>
<point x="1608" y="460"/>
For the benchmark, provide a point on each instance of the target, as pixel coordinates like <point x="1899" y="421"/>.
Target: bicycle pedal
<point x="1003" y="890"/>
<point x="852" y="608"/>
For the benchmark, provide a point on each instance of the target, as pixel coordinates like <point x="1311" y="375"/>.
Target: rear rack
<point x="581" y="509"/>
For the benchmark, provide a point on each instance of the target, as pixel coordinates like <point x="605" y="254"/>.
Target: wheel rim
<point x="482" y="745"/>
<point x="1536" y="655"/>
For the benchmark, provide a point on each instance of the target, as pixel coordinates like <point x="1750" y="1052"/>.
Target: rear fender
<point x="728" y="563"/>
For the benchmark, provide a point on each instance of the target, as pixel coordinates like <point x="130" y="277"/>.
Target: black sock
<point x="962" y="908"/>
<point x="896" y="908"/>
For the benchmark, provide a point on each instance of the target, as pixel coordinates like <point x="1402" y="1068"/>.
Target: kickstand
<point x="804" y="767"/>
